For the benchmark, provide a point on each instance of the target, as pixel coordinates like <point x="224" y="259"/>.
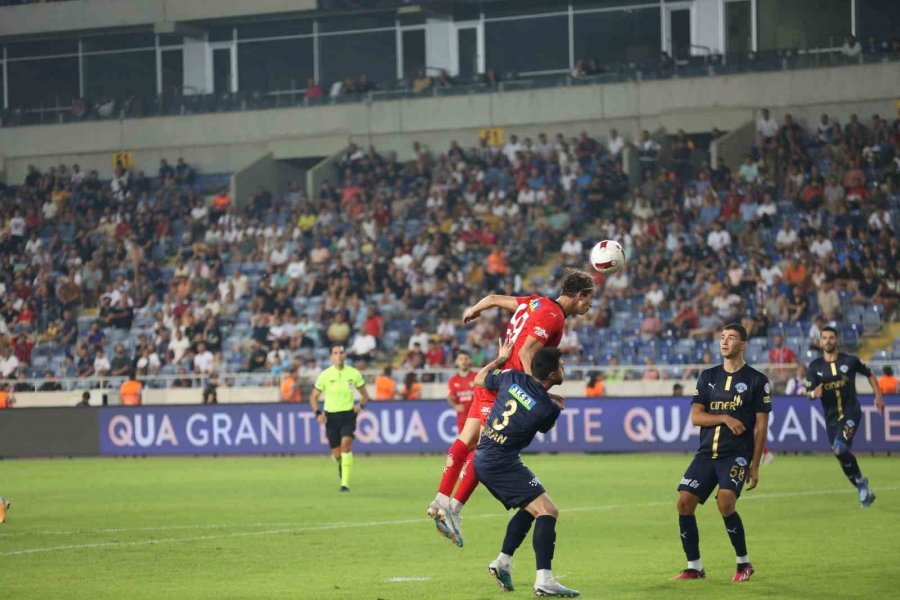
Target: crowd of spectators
<point x="147" y="274"/>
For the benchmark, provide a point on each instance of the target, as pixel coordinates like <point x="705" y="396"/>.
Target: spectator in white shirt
<point x="769" y="272"/>
<point x="615" y="144"/>
<point x="101" y="364"/>
<point x="204" y="361"/>
<point x="718" y="238"/>
<point x="511" y="148"/>
<point x="880" y="220"/>
<point x="786" y="237"/>
<point x="178" y="345"/>
<point x="766" y="128"/>
<point x="571" y="249"/>
<point x="279" y="255"/>
<point x="418" y="337"/>
<point x="655" y="295"/>
<point x="851" y="47"/>
<point x="9" y="364"/>
<point x="821" y="246"/>
<point x="362" y="347"/>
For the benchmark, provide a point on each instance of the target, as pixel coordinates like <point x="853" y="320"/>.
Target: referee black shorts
<point x="339" y="425"/>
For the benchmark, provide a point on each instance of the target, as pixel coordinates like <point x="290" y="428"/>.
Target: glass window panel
<point x="120" y="42"/>
<point x="413" y="52"/>
<point x="172" y="71"/>
<point x="512" y="8"/>
<point x="618" y="36"/>
<point x="353" y="22"/>
<point x="51" y="82"/>
<point x="220" y="33"/>
<point x="587" y="4"/>
<point x="877" y="18"/>
<point x="342" y="56"/>
<point x="41" y="48"/>
<point x="466" y="12"/>
<point x="266" y="29"/>
<point x="120" y="74"/>
<point x="523" y="45"/>
<point x="275" y="65"/>
<point x="802" y="25"/>
<point x="171" y="39"/>
<point x="738" y="27"/>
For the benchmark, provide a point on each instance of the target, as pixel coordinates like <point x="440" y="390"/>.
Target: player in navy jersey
<point x="832" y="378"/>
<point x="731" y="405"/>
<point x="522" y="409"/>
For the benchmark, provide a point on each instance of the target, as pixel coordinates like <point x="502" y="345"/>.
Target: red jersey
<point x="535" y="316"/>
<point x="461" y="389"/>
<point x="538" y="317"/>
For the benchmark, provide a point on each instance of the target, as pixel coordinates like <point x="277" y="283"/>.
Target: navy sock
<point x="544" y="541"/>
<point x="518" y="528"/>
<point x="690" y="536"/>
<point x="850" y="467"/>
<point x="735" y="528"/>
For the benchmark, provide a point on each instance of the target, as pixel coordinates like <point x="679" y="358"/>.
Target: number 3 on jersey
<point x="511" y="406"/>
<point x="517" y="323"/>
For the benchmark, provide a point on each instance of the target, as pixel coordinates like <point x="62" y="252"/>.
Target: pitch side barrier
<point x="595" y="425"/>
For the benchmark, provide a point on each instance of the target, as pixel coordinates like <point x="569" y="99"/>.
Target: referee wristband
<point x="318" y="412"/>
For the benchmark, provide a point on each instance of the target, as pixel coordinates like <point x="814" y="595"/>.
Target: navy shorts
<point x="705" y="473"/>
<point x="339" y="425"/>
<point x="846" y="428"/>
<point x="514" y="485"/>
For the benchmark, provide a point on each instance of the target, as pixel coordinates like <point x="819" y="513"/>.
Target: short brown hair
<point x="738" y="328"/>
<point x="576" y="281"/>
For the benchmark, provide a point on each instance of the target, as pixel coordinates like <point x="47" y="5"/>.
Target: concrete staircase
<point x="885" y="339"/>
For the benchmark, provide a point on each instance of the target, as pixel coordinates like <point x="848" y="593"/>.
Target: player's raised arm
<point x="492" y="301"/>
<point x="503" y="353"/>
<point x="527" y="352"/>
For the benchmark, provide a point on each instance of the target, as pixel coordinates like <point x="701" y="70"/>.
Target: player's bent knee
<point x="686" y="504"/>
<point x="543" y="506"/>
<point x="726" y="503"/>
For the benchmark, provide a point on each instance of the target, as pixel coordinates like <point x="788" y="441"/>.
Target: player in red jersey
<point x="537" y="322"/>
<point x="460" y="390"/>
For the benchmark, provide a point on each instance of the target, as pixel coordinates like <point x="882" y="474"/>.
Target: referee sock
<point x="456" y="459"/>
<point x="518" y="528"/>
<point x="735" y="528"/>
<point x="544" y="541"/>
<point x="850" y="467"/>
<point x="346" y="468"/>
<point x="690" y="537"/>
<point x="338" y="461"/>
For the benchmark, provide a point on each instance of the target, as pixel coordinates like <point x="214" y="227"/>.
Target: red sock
<point x="456" y="459"/>
<point x="469" y="481"/>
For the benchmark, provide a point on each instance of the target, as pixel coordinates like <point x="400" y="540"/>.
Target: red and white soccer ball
<point x="607" y="257"/>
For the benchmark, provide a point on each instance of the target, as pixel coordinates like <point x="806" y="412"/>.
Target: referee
<point x="338" y="382"/>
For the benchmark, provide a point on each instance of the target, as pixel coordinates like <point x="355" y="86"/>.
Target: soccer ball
<point x="607" y="257"/>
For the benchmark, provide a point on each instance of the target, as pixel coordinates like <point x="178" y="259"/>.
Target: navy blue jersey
<point x="522" y="408"/>
<point x="838" y="381"/>
<point x="741" y="395"/>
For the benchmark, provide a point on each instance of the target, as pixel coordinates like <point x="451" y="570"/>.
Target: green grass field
<point x="277" y="528"/>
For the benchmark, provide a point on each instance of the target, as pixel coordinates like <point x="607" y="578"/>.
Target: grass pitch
<point x="222" y="528"/>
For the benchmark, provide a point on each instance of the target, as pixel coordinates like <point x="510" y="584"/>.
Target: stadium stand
<point x="148" y="269"/>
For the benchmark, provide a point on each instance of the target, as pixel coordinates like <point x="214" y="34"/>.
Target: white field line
<point x="366" y="524"/>
<point x="157" y="528"/>
<point x="406" y="579"/>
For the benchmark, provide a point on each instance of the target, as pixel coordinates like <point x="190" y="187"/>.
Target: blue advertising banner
<point x="605" y="425"/>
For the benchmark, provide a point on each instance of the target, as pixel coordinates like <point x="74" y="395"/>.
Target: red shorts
<point x="482" y="403"/>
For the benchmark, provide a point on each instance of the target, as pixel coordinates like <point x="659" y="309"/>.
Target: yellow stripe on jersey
<point x="728" y="383"/>
<point x="833" y="368"/>
<point x="840" y="404"/>
<point x="715" y="444"/>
